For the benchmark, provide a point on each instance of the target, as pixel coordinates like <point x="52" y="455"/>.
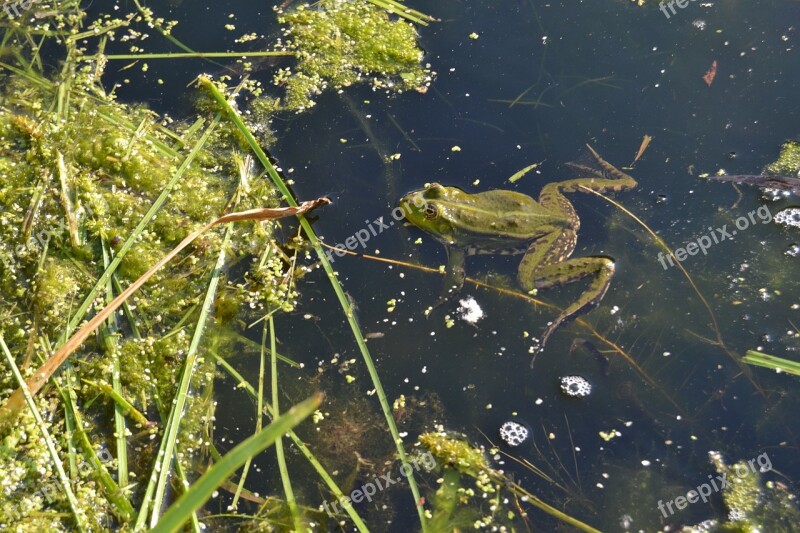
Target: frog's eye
<point x="431" y="212"/>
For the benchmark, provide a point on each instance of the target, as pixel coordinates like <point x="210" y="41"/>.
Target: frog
<point x="502" y="221"/>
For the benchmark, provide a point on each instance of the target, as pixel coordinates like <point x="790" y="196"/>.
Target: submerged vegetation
<point x="93" y="193"/>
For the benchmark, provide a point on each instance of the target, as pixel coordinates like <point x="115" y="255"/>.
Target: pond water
<point x="536" y="82"/>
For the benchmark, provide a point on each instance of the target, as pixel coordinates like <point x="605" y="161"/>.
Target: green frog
<point x="508" y="222"/>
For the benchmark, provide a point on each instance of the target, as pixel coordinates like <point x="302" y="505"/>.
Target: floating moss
<point x="342" y="42"/>
<point x="455" y="453"/>
<point x="752" y="505"/>
<point x="788" y="162"/>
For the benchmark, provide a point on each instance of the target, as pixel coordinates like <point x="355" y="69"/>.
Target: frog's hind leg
<point x="546" y="265"/>
<point x="600" y="268"/>
<point x="604" y="177"/>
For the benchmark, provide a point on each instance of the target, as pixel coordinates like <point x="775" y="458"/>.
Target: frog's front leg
<point x="454" y="275"/>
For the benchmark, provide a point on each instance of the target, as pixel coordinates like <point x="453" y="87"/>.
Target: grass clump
<point x="93" y="193"/>
<point x="79" y="172"/>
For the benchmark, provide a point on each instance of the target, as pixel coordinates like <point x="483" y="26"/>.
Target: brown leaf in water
<point x="645" y="143"/>
<point x="711" y="74"/>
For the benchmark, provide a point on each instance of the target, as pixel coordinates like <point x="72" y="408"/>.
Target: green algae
<point x="752" y="505"/>
<point x="788" y="162"/>
<point x="456" y="453"/>
<point x="342" y="42"/>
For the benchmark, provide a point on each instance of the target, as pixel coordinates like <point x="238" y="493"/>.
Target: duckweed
<point x="788" y="162"/>
<point x="342" y="42"/>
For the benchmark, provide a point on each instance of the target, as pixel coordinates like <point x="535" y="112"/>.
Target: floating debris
<point x="711" y="73"/>
<point x="788" y="217"/>
<point x="575" y="386"/>
<point x="513" y="433"/>
<point x="469" y="310"/>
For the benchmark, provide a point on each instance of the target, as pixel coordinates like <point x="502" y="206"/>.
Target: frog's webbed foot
<point x="600" y="268"/>
<point x="601" y="177"/>
<point x="454" y="276"/>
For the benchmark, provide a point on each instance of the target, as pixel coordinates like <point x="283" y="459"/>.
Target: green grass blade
<point x="287" y="484"/>
<point x="214" y="92"/>
<point x="755" y="358"/>
<point x="518" y="174"/>
<point x="164" y="463"/>
<point x="202" y="489"/>
<point x="259" y="416"/>
<point x="188" y="55"/>
<point x="392" y="6"/>
<point x="110" y="344"/>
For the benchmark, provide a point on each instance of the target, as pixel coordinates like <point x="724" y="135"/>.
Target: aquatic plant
<point x="779" y="364"/>
<point x="788" y="162"/>
<point x="455" y="455"/>
<point x="342" y="42"/>
<point x="93" y="194"/>
<point x="752" y="505"/>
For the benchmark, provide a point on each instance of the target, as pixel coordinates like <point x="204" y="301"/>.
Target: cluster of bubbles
<point x="513" y="434"/>
<point x="575" y="386"/>
<point x="788" y="217"/>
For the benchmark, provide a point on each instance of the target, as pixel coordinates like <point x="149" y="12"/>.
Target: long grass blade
<point x="753" y="357"/>
<point x="287" y="484"/>
<point x="163" y="467"/>
<point x="189" y="55"/>
<point x="110" y="342"/>
<point x="392" y="6"/>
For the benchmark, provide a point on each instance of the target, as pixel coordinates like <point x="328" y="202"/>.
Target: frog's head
<point x="426" y="210"/>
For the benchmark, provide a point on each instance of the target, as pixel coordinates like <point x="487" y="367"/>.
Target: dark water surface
<point x="604" y="72"/>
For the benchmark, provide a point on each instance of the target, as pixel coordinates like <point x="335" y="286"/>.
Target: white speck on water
<point x="469" y="310"/>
